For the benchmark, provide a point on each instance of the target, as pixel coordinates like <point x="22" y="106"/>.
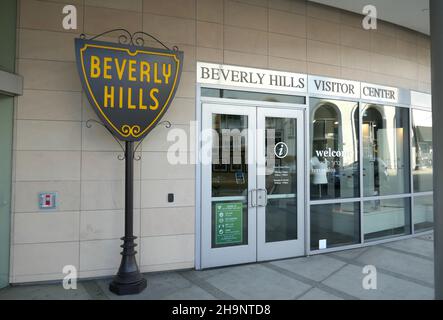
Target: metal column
<point x="436" y="13"/>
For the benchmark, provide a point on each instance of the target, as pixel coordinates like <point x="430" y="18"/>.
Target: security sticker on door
<point x="229" y="223"/>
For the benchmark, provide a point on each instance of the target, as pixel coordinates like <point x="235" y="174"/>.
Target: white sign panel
<point x="379" y="93"/>
<point x="334" y="87"/>
<point x="251" y="78"/>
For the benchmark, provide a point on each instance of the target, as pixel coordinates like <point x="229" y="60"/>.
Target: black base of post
<point x="128" y="289"/>
<point x="128" y="280"/>
<point x="124" y="290"/>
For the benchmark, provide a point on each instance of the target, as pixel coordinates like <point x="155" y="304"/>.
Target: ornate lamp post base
<point x="121" y="288"/>
<point x="128" y="280"/>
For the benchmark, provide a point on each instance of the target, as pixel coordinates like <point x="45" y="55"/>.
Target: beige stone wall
<point x="55" y="151"/>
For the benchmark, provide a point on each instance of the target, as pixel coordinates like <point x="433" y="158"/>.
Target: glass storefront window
<point x="385" y="150"/>
<point x="423" y="213"/>
<point x="386" y="218"/>
<point x="334" y="162"/>
<point x="422" y="150"/>
<point x="335" y="225"/>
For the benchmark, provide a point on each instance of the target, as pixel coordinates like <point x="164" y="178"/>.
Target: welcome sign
<point x="129" y="87"/>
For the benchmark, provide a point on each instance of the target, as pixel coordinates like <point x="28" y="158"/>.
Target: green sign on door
<point x="229" y="223"/>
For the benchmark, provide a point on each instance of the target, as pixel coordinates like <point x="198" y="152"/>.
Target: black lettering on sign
<point x="205" y="73"/>
<point x="334" y="87"/>
<point x="379" y="93"/>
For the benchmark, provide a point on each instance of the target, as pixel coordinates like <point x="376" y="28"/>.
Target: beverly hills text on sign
<point x="251" y="77"/>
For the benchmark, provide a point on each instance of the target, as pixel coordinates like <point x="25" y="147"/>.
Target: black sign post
<point x="128" y="280"/>
<point x="130" y="87"/>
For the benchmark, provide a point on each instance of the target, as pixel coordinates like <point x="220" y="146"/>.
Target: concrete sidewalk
<point x="404" y="268"/>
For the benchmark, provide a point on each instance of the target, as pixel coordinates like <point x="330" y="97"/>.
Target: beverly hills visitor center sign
<point x="292" y="83"/>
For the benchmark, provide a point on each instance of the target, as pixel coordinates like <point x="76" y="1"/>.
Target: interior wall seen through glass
<point x="334" y="162"/>
<point x="385" y="150"/>
<point x="386" y="218"/>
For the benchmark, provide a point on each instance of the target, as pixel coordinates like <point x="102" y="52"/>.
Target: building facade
<point x="340" y="115"/>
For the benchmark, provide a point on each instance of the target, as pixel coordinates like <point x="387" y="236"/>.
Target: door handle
<point x="253" y="198"/>
<point x="260" y="193"/>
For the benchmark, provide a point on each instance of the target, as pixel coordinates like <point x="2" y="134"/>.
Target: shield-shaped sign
<point x="129" y="87"/>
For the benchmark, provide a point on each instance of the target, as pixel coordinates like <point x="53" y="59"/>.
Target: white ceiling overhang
<point x="412" y="14"/>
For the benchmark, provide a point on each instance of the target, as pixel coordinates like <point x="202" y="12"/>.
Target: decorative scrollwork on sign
<point x="134" y="39"/>
<point x="166" y="123"/>
<point x="131" y="131"/>
<point x="89" y="126"/>
<point x="90" y="121"/>
<point x="137" y="157"/>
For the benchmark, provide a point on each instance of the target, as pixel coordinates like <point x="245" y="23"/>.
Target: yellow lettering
<point x="140" y="100"/>
<point x="156" y="79"/>
<point x="106" y="68"/>
<point x="130" y="105"/>
<point x="131" y="70"/>
<point x="120" y="68"/>
<point x="145" y="68"/>
<point x="95" y="67"/>
<point x="154" y="98"/>
<point x="109" y="96"/>
<point x="120" y="98"/>
<point x="167" y="74"/>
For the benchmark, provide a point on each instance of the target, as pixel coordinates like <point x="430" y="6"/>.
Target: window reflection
<point x="422" y="150"/>
<point x="229" y="155"/>
<point x="334" y="225"/>
<point x="247" y="95"/>
<point x="229" y="181"/>
<point x="423" y="213"/>
<point x="386" y="218"/>
<point x="281" y="180"/>
<point x="385" y="150"/>
<point x="334" y="149"/>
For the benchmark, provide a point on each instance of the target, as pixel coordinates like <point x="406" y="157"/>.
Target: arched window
<point x="385" y="150"/>
<point x="334" y="150"/>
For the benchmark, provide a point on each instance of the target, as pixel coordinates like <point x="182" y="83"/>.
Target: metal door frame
<point x="287" y="248"/>
<point x="203" y="237"/>
<point x="211" y="257"/>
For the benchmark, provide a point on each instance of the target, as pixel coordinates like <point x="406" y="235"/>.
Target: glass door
<point x="280" y="183"/>
<point x="228" y="185"/>
<point x="252" y="184"/>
